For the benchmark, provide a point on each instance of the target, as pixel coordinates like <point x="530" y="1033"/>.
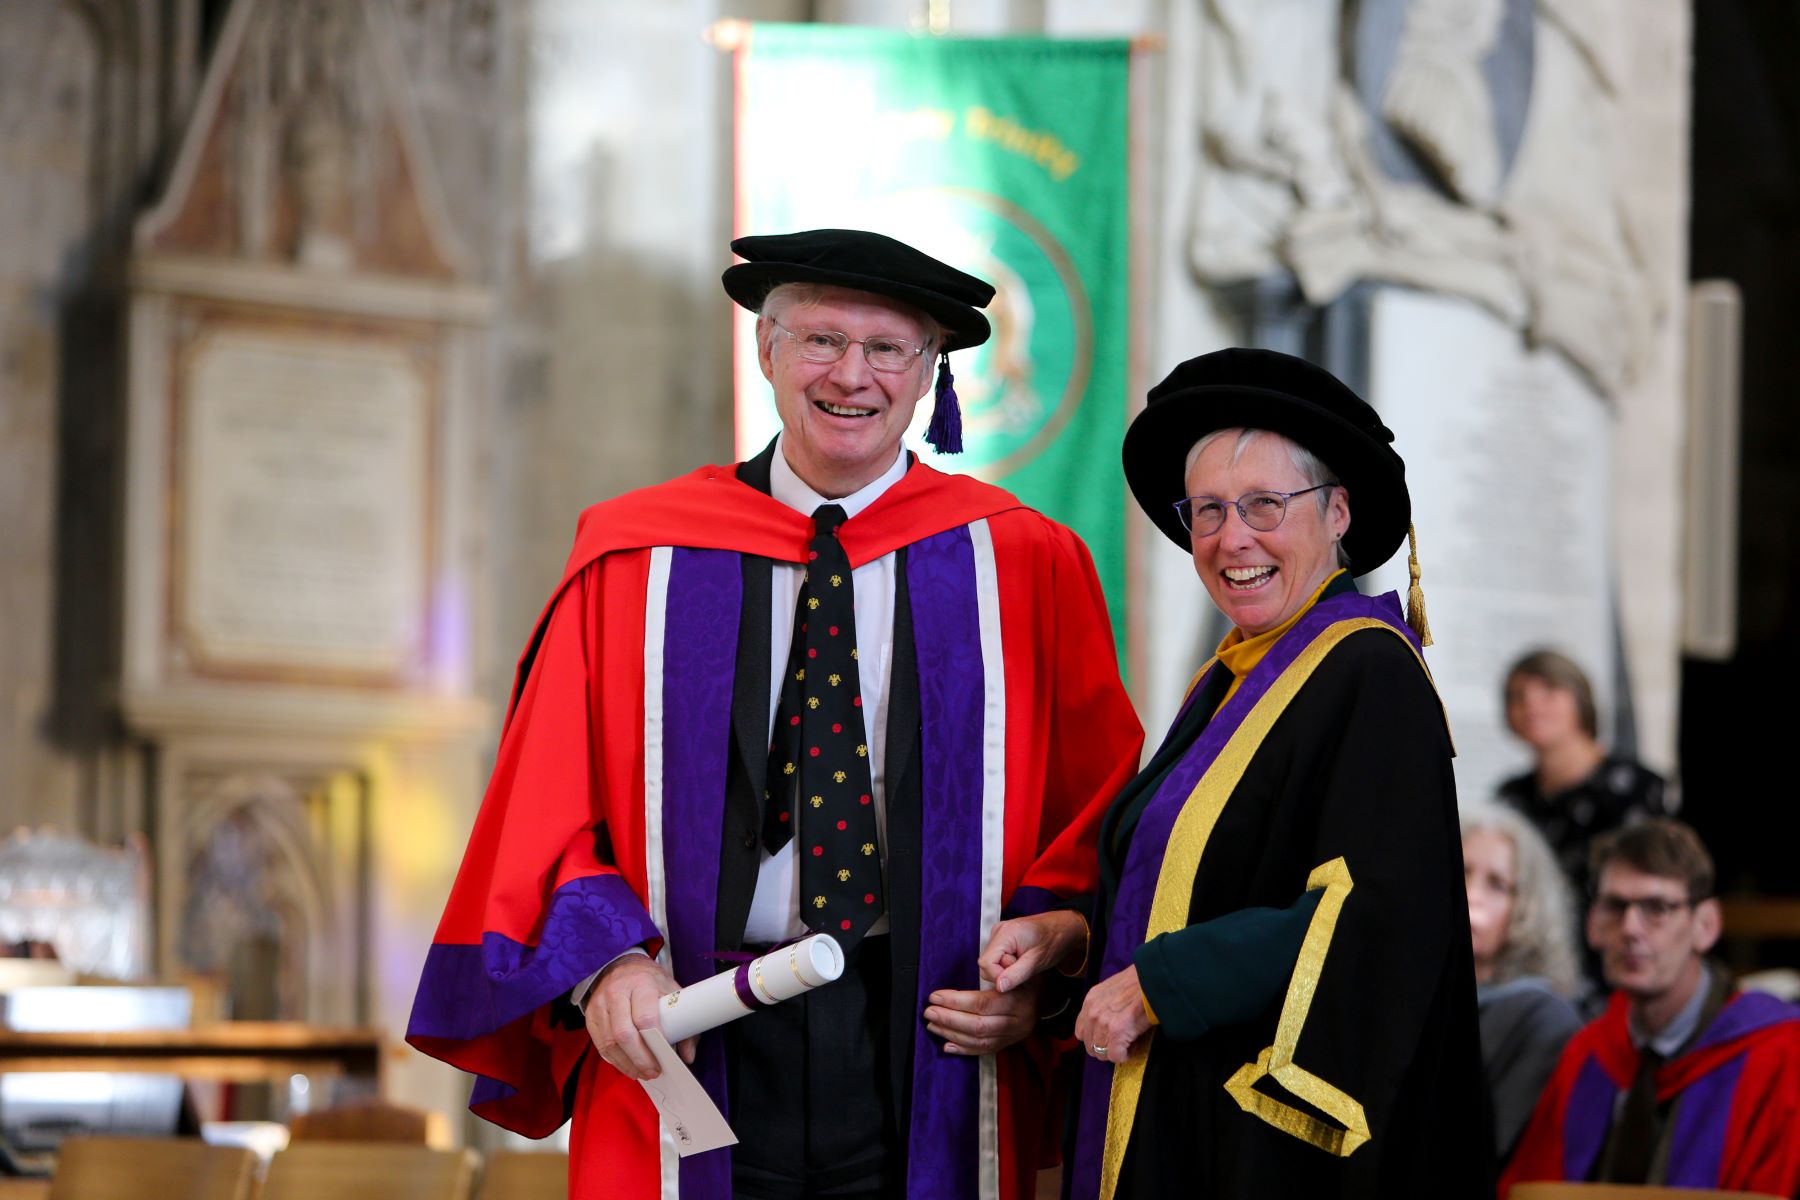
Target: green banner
<point x="1006" y="158"/>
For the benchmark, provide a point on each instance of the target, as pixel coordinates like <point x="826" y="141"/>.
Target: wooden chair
<point x="369" y="1171"/>
<point x="525" y="1175"/>
<point x="1623" y="1191"/>
<point x="108" y="1168"/>
<point x="372" y="1121"/>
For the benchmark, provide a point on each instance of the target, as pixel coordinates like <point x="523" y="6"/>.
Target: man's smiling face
<point x="843" y="421"/>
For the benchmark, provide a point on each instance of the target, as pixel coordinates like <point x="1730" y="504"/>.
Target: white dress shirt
<point x="775" y="909"/>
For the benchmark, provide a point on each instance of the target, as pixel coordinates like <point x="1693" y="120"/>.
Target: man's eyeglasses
<point x="1656" y="909"/>
<point x="828" y="345"/>
<point x="1203" y="516"/>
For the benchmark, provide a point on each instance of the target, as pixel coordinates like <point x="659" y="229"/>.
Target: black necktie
<point x="818" y="777"/>
<point x="1636" y="1144"/>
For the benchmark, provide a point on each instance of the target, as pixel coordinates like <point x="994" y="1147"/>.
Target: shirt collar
<point x="1677" y="1032"/>
<point x="793" y="491"/>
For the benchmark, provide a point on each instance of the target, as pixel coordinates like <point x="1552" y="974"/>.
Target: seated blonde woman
<point x="1521" y="924"/>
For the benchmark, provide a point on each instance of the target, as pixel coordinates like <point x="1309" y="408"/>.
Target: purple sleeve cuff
<point x="488" y="1091"/>
<point x="1031" y="901"/>
<point x="469" y="991"/>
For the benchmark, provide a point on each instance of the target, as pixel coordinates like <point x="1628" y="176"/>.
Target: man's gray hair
<point x="1311" y="467"/>
<point x="785" y="296"/>
<point x="1539" y="939"/>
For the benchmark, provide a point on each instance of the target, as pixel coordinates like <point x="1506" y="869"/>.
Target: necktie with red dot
<point x="819" y="787"/>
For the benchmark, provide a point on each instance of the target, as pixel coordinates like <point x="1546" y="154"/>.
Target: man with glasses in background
<point x="1684" y="1081"/>
<point x="826" y="690"/>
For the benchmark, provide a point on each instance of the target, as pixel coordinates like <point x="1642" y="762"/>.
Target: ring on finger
<point x="1098" y="1049"/>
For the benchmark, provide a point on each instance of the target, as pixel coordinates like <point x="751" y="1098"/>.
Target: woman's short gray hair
<point x="1540" y="932"/>
<point x="1311" y="467"/>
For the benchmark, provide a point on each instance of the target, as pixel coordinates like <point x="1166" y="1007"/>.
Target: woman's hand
<point x="1028" y="946"/>
<point x="987" y="1021"/>
<point x="1113" y="1017"/>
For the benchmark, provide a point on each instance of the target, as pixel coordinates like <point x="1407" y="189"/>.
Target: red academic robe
<point x="600" y="827"/>
<point x="1736" y="1093"/>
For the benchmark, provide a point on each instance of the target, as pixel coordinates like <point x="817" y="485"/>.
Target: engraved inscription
<point x="304" y="533"/>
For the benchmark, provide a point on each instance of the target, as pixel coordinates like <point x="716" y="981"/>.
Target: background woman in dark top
<point x="1576" y="790"/>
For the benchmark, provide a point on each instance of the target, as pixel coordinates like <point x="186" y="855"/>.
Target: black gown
<point x="1357" y="768"/>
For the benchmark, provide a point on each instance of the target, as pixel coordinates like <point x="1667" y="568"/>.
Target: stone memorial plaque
<point x="302" y="537"/>
<point x="1508" y="456"/>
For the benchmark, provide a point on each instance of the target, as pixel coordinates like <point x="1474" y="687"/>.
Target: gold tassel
<point x="1415" y="597"/>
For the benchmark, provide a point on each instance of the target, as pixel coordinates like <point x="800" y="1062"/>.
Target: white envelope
<point x="687" y="1111"/>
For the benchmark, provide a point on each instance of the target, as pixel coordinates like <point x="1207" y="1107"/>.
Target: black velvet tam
<point x="865" y="262"/>
<point x="1262" y="389"/>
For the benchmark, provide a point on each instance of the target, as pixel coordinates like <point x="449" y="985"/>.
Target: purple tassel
<point x="945" y="432"/>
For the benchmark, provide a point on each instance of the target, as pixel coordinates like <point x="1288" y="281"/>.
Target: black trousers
<point x="810" y="1097"/>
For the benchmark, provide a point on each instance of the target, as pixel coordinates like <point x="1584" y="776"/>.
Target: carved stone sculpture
<point x="1548" y="241"/>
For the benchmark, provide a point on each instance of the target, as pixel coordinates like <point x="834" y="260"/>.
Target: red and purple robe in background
<point x="1735" y="1120"/>
<point x="602" y="824"/>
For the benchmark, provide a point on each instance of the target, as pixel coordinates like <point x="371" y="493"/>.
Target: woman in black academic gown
<point x="1281" y="994"/>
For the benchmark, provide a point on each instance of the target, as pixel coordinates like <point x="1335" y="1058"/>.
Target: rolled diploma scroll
<point x="781" y="974"/>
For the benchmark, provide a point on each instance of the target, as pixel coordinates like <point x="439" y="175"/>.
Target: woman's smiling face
<point x="1261" y="578"/>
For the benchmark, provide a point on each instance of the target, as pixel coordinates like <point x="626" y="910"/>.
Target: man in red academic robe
<point x="1683" y="1081"/>
<point x="828" y="689"/>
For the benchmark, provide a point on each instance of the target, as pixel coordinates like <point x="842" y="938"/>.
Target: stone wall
<point x="88" y="95"/>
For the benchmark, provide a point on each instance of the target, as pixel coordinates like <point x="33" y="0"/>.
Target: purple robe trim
<point x="1030" y="901"/>
<point x="700" y="632"/>
<point x="467" y="991"/>
<point x="1589" y="1116"/>
<point x="486" y="1091"/>
<point x="1747" y="1012"/>
<point x="943" y="1146"/>
<point x="1130" y="916"/>
<point x="1702" y="1113"/>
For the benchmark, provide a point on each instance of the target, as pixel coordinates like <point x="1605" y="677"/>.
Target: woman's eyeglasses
<point x="1203" y="516"/>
